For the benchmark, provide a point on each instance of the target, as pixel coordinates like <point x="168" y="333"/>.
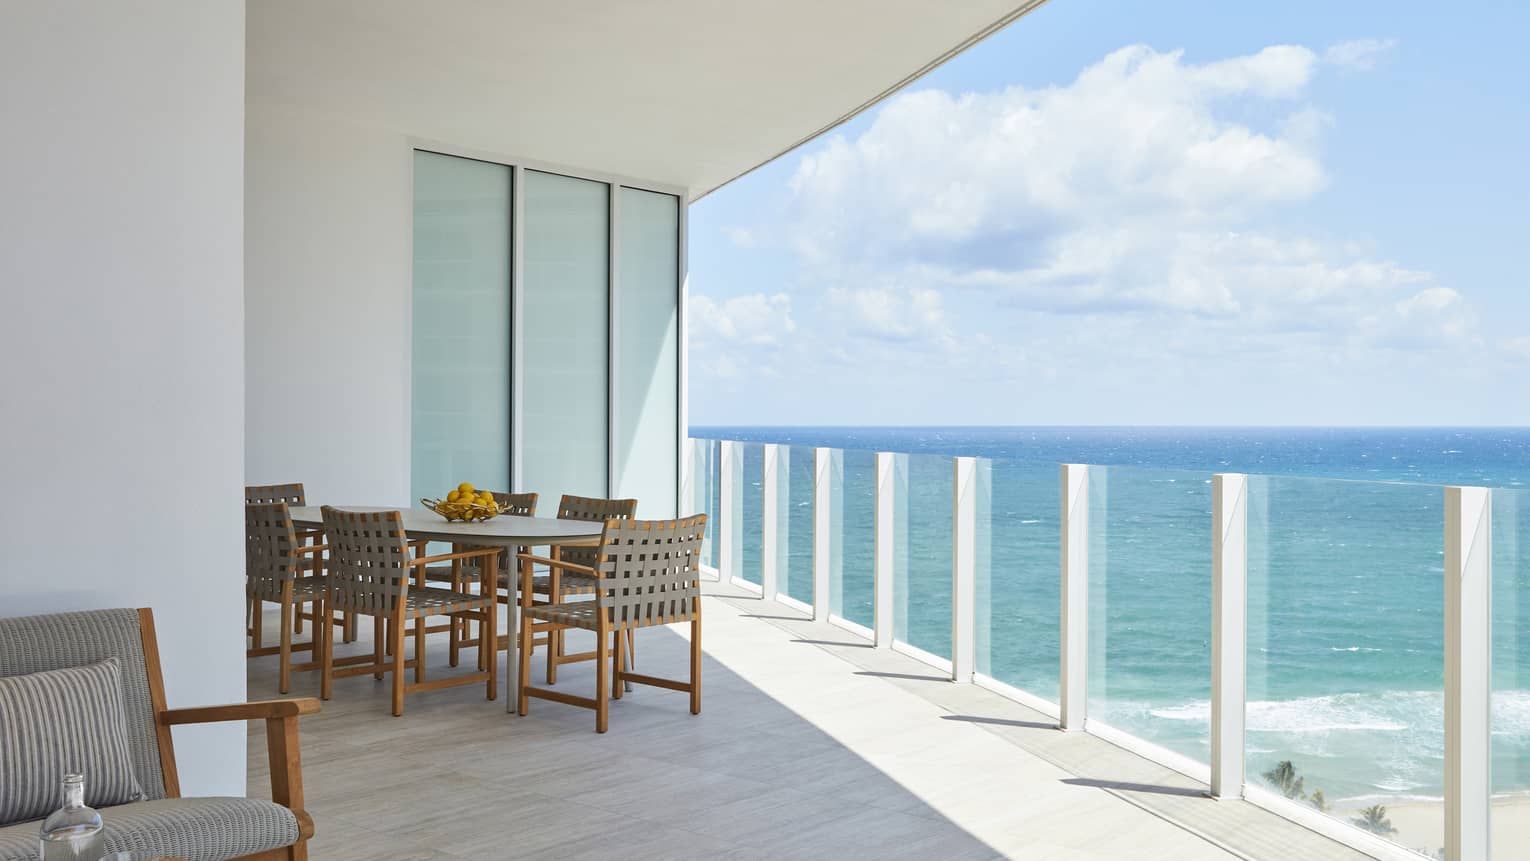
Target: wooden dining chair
<point x="462" y="575"/>
<point x="372" y="574"/>
<point x="559" y="584"/>
<point x="646" y="572"/>
<point x="292" y="494"/>
<point x="273" y="564"/>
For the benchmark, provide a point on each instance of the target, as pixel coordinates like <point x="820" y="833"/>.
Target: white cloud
<point x="741" y="237"/>
<point x="755" y="319"/>
<point x="1146" y="185"/>
<point x="907" y="315"/>
<point x="1358" y="54"/>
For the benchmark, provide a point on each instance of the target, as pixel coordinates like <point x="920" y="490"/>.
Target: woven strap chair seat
<point x="570" y="583"/>
<point x="304" y="590"/>
<point x="439" y="602"/>
<point x="579" y="614"/>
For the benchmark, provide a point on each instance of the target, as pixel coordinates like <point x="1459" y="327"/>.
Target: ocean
<point x="1346" y="593"/>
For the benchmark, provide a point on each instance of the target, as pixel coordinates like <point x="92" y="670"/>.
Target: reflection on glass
<point x="1346" y="650"/>
<point x="852" y="582"/>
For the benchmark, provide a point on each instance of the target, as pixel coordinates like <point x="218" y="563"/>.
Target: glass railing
<point x="1340" y="631"/>
<point x="922" y="553"/>
<point x="1345" y="659"/>
<point x="1150" y="605"/>
<point x="795" y="522"/>
<point x="1511" y="673"/>
<point x="1017" y="587"/>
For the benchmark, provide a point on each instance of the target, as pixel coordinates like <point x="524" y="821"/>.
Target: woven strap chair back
<point x="292" y="494"/>
<point x="596" y="510"/>
<point x="368" y="560"/>
<point x="649" y="570"/>
<point x="270" y="550"/>
<point x="517" y="504"/>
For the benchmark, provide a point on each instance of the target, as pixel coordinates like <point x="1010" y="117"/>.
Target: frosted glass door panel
<point x="460" y="411"/>
<point x="647" y="420"/>
<point x="564" y="330"/>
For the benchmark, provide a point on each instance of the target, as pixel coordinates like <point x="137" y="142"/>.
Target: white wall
<point x="328" y="266"/>
<point x="121" y="336"/>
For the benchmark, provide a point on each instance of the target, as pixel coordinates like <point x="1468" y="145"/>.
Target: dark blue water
<point x="1345" y="660"/>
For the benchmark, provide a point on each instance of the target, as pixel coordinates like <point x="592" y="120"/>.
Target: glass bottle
<point x="73" y="832"/>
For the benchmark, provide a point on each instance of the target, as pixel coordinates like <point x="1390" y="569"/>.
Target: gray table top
<point x="502" y="531"/>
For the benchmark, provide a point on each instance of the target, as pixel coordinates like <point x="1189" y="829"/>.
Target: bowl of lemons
<point x="466" y="503"/>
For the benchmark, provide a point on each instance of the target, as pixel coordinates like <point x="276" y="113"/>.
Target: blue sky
<point x="1127" y="213"/>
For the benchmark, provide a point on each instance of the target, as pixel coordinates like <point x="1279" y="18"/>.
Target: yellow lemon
<point x="466" y="488"/>
<point x="454" y="496"/>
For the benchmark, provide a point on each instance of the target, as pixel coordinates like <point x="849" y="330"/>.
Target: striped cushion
<point x="196" y="829"/>
<point x="59" y="722"/>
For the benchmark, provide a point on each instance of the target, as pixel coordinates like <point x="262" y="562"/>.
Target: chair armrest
<point x="258" y="710"/>
<point x="313" y="548"/>
<point x="461" y="554"/>
<point x="556" y="563"/>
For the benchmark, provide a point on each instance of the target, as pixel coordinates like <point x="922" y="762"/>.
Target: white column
<point x="885" y="548"/>
<point x="1468" y="671"/>
<point x="964" y="492"/>
<point x="770" y="520"/>
<point x="1074" y="670"/>
<point x="730" y="475"/>
<point x="1229" y="631"/>
<point x="824" y="479"/>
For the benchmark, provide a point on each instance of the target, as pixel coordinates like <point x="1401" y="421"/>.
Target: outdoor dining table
<point x="505" y="531"/>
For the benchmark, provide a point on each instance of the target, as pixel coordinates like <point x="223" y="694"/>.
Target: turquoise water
<point x="1345" y="660"/>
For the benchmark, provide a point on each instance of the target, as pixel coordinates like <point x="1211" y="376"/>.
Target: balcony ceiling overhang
<point x="689" y="93"/>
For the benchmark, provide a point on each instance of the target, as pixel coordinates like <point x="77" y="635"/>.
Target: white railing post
<point x="688" y="478"/>
<point x="1229" y="631"/>
<point x="771" y="524"/>
<point x="824" y="478"/>
<point x="1468" y="671"/>
<point x="1074" y="669"/>
<point x="964" y="493"/>
<point x="730" y="471"/>
<point x="885" y="549"/>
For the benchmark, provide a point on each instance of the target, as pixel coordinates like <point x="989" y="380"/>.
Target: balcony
<point x="811" y="744"/>
<point x="1217" y="625"/>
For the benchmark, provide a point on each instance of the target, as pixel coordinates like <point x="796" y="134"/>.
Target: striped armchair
<point x="163" y="823"/>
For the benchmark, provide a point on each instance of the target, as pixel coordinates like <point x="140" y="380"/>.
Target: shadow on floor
<point x="1029" y="724"/>
<point x="457" y="777"/>
<point x="1135" y="787"/>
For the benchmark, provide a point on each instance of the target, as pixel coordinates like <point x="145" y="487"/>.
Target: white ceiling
<point x="690" y="93"/>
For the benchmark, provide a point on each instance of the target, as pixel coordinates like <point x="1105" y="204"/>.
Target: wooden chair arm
<point x="557" y="563"/>
<point x="258" y="710"/>
<point x="461" y="554"/>
<point x="313" y="548"/>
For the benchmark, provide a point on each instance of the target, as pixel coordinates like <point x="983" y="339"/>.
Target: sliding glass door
<point x="460" y="415"/>
<point x="565" y="332"/>
<point x="557" y="372"/>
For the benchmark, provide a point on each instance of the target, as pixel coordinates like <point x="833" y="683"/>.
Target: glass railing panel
<point x="795" y="519"/>
<point x="751" y="510"/>
<point x="1017" y="574"/>
<point x="1150" y="605"/>
<point x="1511" y="672"/>
<point x="922" y="553"/>
<point x="704" y="493"/>
<point x="853" y="532"/>
<point x="1345" y="662"/>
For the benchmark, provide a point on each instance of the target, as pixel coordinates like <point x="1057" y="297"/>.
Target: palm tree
<point x="1374" y="819"/>
<point x="1283" y="777"/>
<point x="1316" y="799"/>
